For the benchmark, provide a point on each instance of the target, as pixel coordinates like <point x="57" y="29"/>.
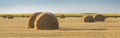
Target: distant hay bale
<point x="10" y="17"/>
<point x="8" y="14"/>
<point x="28" y="16"/>
<point x="4" y="16"/>
<point x="88" y="18"/>
<point x="62" y="16"/>
<point x="115" y="16"/>
<point x="31" y="19"/>
<point x="46" y="21"/>
<point x="23" y="16"/>
<point x="99" y="17"/>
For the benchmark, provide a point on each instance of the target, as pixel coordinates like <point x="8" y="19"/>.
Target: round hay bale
<point x="88" y="18"/>
<point x="115" y="16"/>
<point x="10" y="17"/>
<point x="31" y="19"/>
<point x="99" y="17"/>
<point x="4" y="16"/>
<point x="23" y="16"/>
<point x="46" y="21"/>
<point x="28" y="16"/>
<point x="62" y="16"/>
<point x="8" y="14"/>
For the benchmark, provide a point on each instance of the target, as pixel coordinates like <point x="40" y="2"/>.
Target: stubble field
<point x="70" y="27"/>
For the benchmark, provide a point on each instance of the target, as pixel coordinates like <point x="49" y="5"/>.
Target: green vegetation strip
<point x="67" y="15"/>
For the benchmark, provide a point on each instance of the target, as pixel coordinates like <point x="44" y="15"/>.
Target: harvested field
<point x="70" y="27"/>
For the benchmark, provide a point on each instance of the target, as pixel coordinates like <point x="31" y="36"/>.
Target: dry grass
<point x="69" y="28"/>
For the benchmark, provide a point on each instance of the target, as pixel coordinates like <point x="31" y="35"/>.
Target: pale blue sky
<point x="60" y="6"/>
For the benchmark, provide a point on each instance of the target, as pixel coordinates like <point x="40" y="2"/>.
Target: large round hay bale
<point x="88" y="18"/>
<point x="99" y="17"/>
<point x="46" y="21"/>
<point x="10" y="17"/>
<point x="62" y="16"/>
<point x="4" y="16"/>
<point x="31" y="19"/>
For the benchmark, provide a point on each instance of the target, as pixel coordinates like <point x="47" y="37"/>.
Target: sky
<point x="59" y="6"/>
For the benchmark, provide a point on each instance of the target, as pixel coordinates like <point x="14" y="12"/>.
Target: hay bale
<point x="62" y="16"/>
<point x="88" y="18"/>
<point x="46" y="21"/>
<point x="115" y="16"/>
<point x="23" y="16"/>
<point x="28" y="16"/>
<point x="4" y="16"/>
<point x="31" y="19"/>
<point x="99" y="17"/>
<point x="8" y="14"/>
<point x="10" y="17"/>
